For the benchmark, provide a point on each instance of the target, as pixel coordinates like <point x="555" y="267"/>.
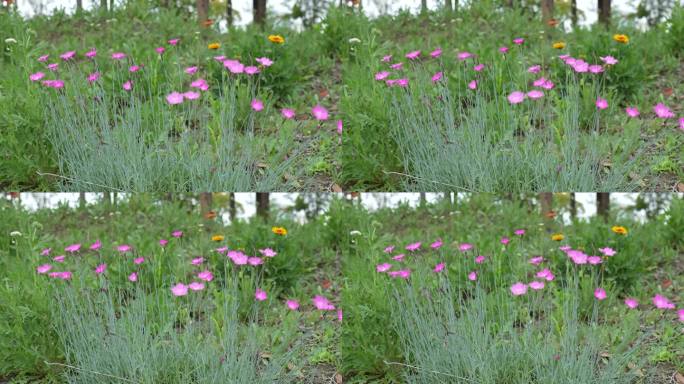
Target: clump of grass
<point x="123" y="336"/>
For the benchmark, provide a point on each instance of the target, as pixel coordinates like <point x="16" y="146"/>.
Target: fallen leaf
<point x="336" y="188"/>
<point x="680" y="187"/>
<point x="326" y="284"/>
<point x="667" y="92"/>
<point x="262" y="165"/>
<point x="338" y="378"/>
<point x="666" y="283"/>
<point x="679" y="378"/>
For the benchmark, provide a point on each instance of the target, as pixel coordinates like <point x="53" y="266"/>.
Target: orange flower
<point x="557" y="237"/>
<point x="279" y="231"/>
<point x="620" y="230"/>
<point x="277" y="39"/>
<point x="210" y="215"/>
<point x="217" y="238"/>
<point x="624" y="39"/>
<point x="208" y="22"/>
<point x="214" y="46"/>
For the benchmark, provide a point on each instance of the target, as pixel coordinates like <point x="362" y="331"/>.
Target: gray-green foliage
<point x="478" y="142"/>
<point x="469" y="335"/>
<point x="107" y="139"/>
<point x="158" y="338"/>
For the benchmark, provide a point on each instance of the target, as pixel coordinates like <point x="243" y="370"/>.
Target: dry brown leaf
<point x="338" y="378"/>
<point x="336" y="188"/>
<point x="262" y="165"/>
<point x="679" y="378"/>
<point x="680" y="187"/>
<point x="666" y="283"/>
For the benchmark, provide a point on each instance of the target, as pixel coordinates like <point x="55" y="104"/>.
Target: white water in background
<point x="371" y="7"/>
<point x="372" y="201"/>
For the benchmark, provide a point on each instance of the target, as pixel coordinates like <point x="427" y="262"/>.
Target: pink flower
<point x="196" y="286"/>
<point x="397" y="66"/>
<point x="539" y="82"/>
<point x="436" y="53"/>
<point x="503" y="50"/>
<point x="413" y="247"/>
<point x="128" y="85"/>
<point x="174" y="98"/>
<point x="595" y="68"/>
<point x="536" y="260"/>
<point x="661" y="302"/>
<point x="600" y="294"/>
<point x="564" y="57"/>
<point x="632" y="111"/>
<point x="339" y="128"/>
<point x="61" y="275"/>
<point x="139" y="260"/>
<point x="163" y="242"/>
<point x="73" y="248"/>
<point x="480" y="259"/>
<point x="548" y="84"/>
<point x="43" y="58"/>
<point x="681" y="123"/>
<point x="100" y="269"/>
<point x="662" y="111"/>
<point x="59" y="259"/>
<point x="601" y="103"/>
<point x="221" y="249"/>
<point x="322" y="303"/>
<point x="53" y="67"/>
<point x="191" y="95"/>
<point x="267" y="252"/>
<point x="535" y="94"/>
<point x="465" y="247"/>
<point x="43" y="268"/>
<point x="594" y="260"/>
<point x="516" y="97"/>
<point x="57" y="84"/>
<point x="398" y="257"/>
<point x="197" y="261"/>
<point x="382" y="75"/>
<point x="534" y="69"/>
<point x="437" y="77"/>
<point x="439" y="267"/>
<point x="179" y="289"/>
<point x="403" y="82"/>
<point x="437" y="244"/>
<point x="505" y="240"/>
<point x="133" y="277"/>
<point x="680" y="314"/>
<point x="68" y="55"/>
<point x="631" y="303"/>
<point x="287" y="113"/>
<point x="518" y="41"/>
<point x="473" y="84"/>
<point x="205" y="275"/>
<point x="124" y="248"/>
<point x="260" y="295"/>
<point x="257" y="105"/>
<point x="292" y="304"/>
<point x="339" y="315"/>
<point x="36" y="76"/>
<point x="255" y="261"/>
<point x="519" y="232"/>
<point x="160" y="50"/>
<point x="537" y="285"/>
<point x="384" y="267"/>
<point x="177" y="234"/>
<point x="578" y="257"/>
<point x="464" y="55"/>
<point x="404" y="273"/>
<point x="234" y="66"/>
<point x="251" y="70"/>
<point x="609" y="60"/>
<point x="45" y="251"/>
<point x="478" y="67"/>
<point x="191" y="70"/>
<point x="413" y="55"/>
<point x="93" y="77"/>
<point x="238" y="258"/>
<point x="389" y="249"/>
<point x="265" y="61"/>
<point x="546" y="274"/>
<point x="581" y="66"/>
<point x="118" y="55"/>
<point x="607" y="251"/>
<point x="565" y="248"/>
<point x="173" y="41"/>
<point x="319" y="112"/>
<point x="134" y="68"/>
<point x="518" y="289"/>
<point x="386" y="59"/>
<point x="472" y="276"/>
<point x="220" y="58"/>
<point x="201" y="84"/>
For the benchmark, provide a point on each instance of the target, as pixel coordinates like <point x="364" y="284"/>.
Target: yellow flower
<point x="214" y="46"/>
<point x="279" y="231"/>
<point x="276" y="39"/>
<point x="624" y="39"/>
<point x="557" y="237"/>
<point x="559" y="45"/>
<point x="217" y="238"/>
<point x="620" y="230"/>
